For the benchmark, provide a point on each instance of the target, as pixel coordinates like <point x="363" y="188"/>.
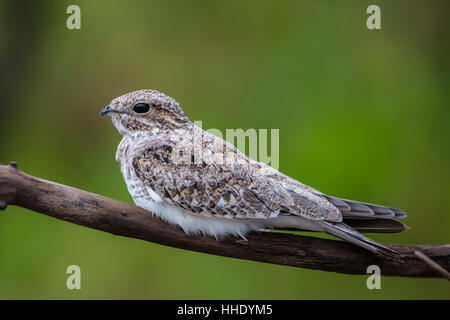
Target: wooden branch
<point x="444" y="273"/>
<point x="119" y="218"/>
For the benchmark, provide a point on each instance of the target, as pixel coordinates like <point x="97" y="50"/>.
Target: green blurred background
<point x="362" y="115"/>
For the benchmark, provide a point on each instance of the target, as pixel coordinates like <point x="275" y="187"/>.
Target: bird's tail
<point x="343" y="231"/>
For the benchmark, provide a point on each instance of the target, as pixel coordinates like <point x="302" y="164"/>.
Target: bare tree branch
<point x="444" y="273"/>
<point x="119" y="218"/>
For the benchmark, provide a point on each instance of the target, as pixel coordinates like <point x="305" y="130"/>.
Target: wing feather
<point x="238" y="187"/>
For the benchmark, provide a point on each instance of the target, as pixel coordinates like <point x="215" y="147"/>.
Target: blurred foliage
<point x="362" y="115"/>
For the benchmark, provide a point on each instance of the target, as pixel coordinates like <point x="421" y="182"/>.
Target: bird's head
<point x="144" y="110"/>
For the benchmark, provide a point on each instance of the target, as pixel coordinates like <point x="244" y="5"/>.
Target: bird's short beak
<point x="106" y="110"/>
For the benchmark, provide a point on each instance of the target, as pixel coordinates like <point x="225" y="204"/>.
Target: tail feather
<point x="370" y="225"/>
<point x="343" y="231"/>
<point x="356" y="209"/>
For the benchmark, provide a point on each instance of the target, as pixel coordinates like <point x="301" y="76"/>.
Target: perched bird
<point x="203" y="184"/>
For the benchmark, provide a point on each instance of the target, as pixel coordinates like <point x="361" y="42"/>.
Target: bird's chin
<point x="117" y="122"/>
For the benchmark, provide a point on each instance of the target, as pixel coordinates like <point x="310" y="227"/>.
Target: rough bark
<point x="119" y="218"/>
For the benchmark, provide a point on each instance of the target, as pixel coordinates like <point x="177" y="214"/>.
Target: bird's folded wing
<point x="235" y="187"/>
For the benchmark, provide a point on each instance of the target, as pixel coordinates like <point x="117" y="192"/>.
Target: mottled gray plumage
<point x="205" y="185"/>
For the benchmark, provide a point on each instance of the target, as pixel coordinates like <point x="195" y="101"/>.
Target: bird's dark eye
<point x="141" y="108"/>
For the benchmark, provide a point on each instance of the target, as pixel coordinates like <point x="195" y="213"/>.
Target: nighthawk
<point x="205" y="185"/>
